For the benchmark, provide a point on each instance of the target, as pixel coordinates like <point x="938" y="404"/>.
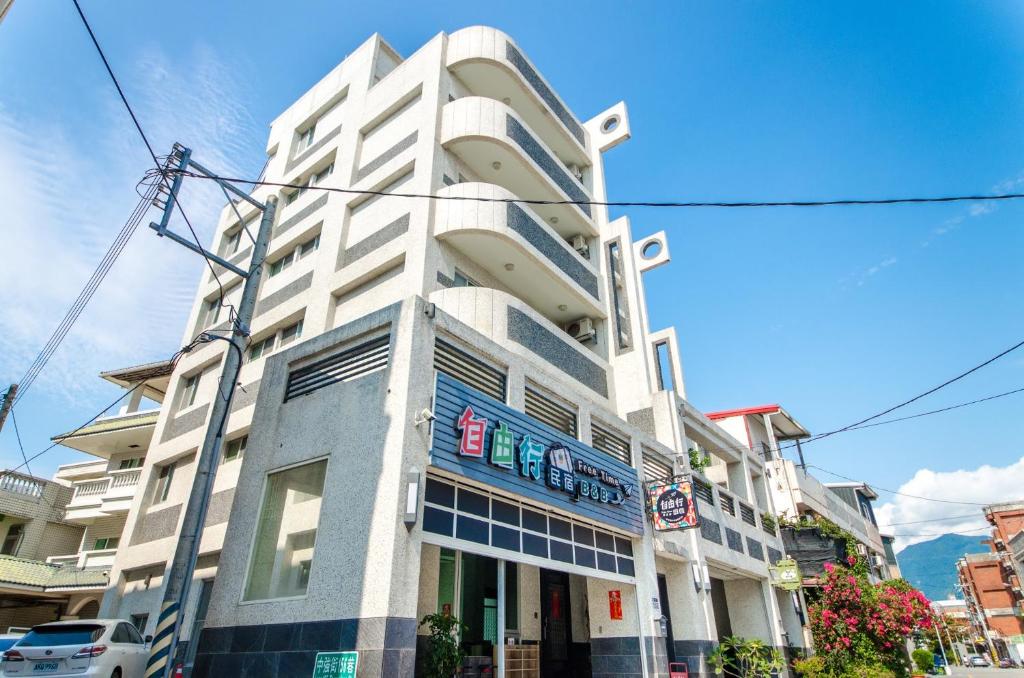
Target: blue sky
<point x="835" y="313"/>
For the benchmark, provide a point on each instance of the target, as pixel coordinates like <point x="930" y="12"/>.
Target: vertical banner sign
<point x="335" y="665"/>
<point x="615" y="604"/>
<point x="785" y="574"/>
<point x="671" y="505"/>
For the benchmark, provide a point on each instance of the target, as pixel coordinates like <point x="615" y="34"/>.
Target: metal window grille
<point x="747" y="514"/>
<point x="609" y="442"/>
<point x="703" y="491"/>
<point x="727" y="503"/>
<point x="471" y="371"/>
<point x="346" y="365"/>
<point x="553" y="414"/>
<point x="656" y="468"/>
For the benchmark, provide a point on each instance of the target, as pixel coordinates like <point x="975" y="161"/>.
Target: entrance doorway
<point x="721" y="607"/>
<point x="670" y="645"/>
<point x="556" y="625"/>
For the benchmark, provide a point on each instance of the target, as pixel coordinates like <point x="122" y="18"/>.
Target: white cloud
<point x="861" y="277"/>
<point x="983" y="485"/>
<point x="66" y="198"/>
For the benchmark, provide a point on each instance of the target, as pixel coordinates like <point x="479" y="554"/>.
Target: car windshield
<point x="6" y="643"/>
<point x="64" y="634"/>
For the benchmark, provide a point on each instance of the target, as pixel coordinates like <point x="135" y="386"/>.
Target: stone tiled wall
<point x="618" y="657"/>
<point x="692" y="652"/>
<point x="386" y="646"/>
<point x="527" y="332"/>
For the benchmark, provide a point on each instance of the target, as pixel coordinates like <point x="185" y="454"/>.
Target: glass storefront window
<point x="282" y="554"/>
<point x="446" y="582"/>
<point x="479" y="596"/>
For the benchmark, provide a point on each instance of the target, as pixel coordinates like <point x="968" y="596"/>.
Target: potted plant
<point x="445" y="655"/>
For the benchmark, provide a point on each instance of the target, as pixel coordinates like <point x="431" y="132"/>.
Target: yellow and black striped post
<point x="160" y="650"/>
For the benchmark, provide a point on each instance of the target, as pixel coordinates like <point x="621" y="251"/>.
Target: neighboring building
<point x="421" y="375"/>
<point x="888" y="542"/>
<point x="61" y="536"/>
<point x="992" y="585"/>
<point x="953" y="607"/>
<point x="5" y="6"/>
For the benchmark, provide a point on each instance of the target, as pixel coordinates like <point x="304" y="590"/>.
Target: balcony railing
<point x="92" y="488"/>
<point x="747" y="514"/>
<point x="728" y="504"/>
<point x="703" y="491"/>
<point x="125" y="478"/>
<point x="22" y="484"/>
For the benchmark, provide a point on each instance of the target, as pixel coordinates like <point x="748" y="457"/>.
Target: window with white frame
<point x="282" y="553"/>
<point x="13" y="539"/>
<point x="231" y="242"/>
<point x="306" y="138"/>
<point x="187" y="395"/>
<point x="274" y="341"/>
<point x="162" y="486"/>
<point x="106" y="543"/>
<point x="235" y="449"/>
<point x="133" y="462"/>
<point x="311" y="181"/>
<point x="291" y="256"/>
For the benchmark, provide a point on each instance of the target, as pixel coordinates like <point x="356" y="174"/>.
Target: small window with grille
<point x="656" y="467"/>
<point x="551" y="412"/>
<point x="471" y="371"/>
<point x="610" y="442"/>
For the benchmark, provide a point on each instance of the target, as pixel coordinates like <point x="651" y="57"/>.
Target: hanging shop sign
<point x="671" y="505"/>
<point x="785" y="575"/>
<point x="335" y="665"/>
<point x="481" y="438"/>
<point x="615" y="604"/>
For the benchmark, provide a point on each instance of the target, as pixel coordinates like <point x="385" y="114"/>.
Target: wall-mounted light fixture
<point x="412" y="497"/>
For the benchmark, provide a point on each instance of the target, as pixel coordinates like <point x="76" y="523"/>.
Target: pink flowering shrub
<point x="859" y="624"/>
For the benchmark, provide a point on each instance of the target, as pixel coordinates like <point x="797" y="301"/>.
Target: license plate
<point x="46" y="666"/>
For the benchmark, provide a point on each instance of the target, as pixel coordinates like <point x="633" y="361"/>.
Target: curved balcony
<point x="500" y="149"/>
<point x="519" y="250"/>
<point x="495" y="313"/>
<point x="491" y="65"/>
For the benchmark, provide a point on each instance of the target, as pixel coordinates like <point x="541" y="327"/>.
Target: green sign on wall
<point x="335" y="665"/>
<point x="785" y="574"/>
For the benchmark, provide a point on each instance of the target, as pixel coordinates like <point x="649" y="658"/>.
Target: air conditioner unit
<point x="576" y="172"/>
<point x="862" y="550"/>
<point x="582" y="330"/>
<point x="579" y="243"/>
<point x="878" y="561"/>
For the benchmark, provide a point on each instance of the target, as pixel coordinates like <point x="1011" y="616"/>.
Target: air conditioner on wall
<point x="576" y="172"/>
<point x="862" y="550"/>
<point x="582" y="330"/>
<point x="579" y="243"/>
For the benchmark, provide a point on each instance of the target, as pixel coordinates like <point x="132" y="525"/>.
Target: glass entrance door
<point x="556" y="625"/>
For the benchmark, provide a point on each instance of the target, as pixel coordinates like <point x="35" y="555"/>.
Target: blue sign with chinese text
<point x="483" y="439"/>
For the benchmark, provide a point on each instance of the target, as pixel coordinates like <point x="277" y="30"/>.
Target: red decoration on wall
<point x="473" y="428"/>
<point x="615" y="604"/>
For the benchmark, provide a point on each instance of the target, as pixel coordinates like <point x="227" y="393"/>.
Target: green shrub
<point x="924" y="660"/>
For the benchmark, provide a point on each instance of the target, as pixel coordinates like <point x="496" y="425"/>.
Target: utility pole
<point x="8" y="403"/>
<point x="179" y="578"/>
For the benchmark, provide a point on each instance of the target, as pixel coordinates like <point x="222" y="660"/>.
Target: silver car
<point x="104" y="648"/>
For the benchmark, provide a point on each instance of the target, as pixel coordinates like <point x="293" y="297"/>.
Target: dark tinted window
<point x="120" y="634"/>
<point x="134" y="635"/>
<point x="65" y="634"/>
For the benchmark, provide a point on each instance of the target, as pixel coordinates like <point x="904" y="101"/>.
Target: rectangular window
<point x="610" y="442"/>
<point x="189" y="390"/>
<point x="235" y="449"/>
<point x="210" y="313"/>
<point x="663" y="364"/>
<point x="289" y="198"/>
<point x="106" y="543"/>
<point x="309" y="246"/>
<point x="322" y="175"/>
<point x="13" y="540"/>
<point x="134" y="462"/>
<point x="462" y="280"/>
<point x="282" y="263"/>
<point x="656" y="467"/>
<point x="282" y="553"/>
<point x="262" y="348"/>
<point x="162" y="487"/>
<point x="306" y="138"/>
<point x="231" y="242"/>
<point x="291" y="333"/>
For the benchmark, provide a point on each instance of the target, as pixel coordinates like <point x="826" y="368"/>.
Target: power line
<point x="21" y="447"/>
<point x="901" y="494"/>
<point x="638" y="203"/>
<point x="87" y="292"/>
<point x="120" y="92"/>
<point x="941" y="534"/>
<point x="914" y="399"/>
<point x="936" y="520"/>
<point x="940" y="410"/>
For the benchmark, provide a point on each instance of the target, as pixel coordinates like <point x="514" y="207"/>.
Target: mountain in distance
<point x="931" y="565"/>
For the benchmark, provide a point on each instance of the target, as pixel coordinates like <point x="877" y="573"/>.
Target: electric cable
<point x="934" y="520"/>
<point x="911" y="400"/>
<point x="631" y="203"/>
<point x="17" y="434"/>
<point x="901" y="494"/>
<point x="942" y="534"/>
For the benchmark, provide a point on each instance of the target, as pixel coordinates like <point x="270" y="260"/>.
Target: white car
<point x="107" y="648"/>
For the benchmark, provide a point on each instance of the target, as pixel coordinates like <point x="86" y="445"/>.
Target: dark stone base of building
<point x="692" y="652"/>
<point x="386" y="645"/>
<point x="618" y="657"/>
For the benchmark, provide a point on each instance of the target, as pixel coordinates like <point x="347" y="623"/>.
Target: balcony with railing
<point x="520" y="250"/>
<point x="108" y="436"/>
<point x="22" y="486"/>
<point x="106" y="496"/>
<point x="26" y="496"/>
<point x="491" y="65"/>
<point x="499" y="148"/>
<point x="89" y="559"/>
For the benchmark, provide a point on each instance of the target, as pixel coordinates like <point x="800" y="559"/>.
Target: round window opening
<point x="610" y="123"/>
<point x="651" y="249"/>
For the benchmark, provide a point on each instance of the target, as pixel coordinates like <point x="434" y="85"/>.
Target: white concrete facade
<point x="549" y="297"/>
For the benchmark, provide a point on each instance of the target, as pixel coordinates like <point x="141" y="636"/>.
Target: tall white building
<point x="441" y="395"/>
